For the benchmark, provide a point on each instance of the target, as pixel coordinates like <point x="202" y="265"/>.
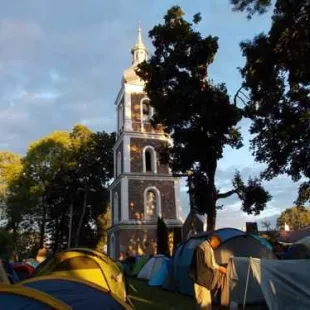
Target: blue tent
<point x="13" y="277"/>
<point x="159" y="277"/>
<point x="78" y="294"/>
<point x="20" y="298"/>
<point x="234" y="242"/>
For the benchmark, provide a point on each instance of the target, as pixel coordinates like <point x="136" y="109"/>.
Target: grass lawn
<point x="154" y="298"/>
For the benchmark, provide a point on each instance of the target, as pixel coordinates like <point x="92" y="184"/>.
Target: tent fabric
<point x="297" y="251"/>
<point x="264" y="241"/>
<point x="19" y="298"/>
<point x="23" y="270"/>
<point x="234" y="243"/>
<point x="32" y="262"/>
<point x="284" y="283"/>
<point x="139" y="264"/>
<point x="151" y="267"/>
<point x="88" y="265"/>
<point x="159" y="277"/>
<point x="78" y="294"/>
<point x="3" y="275"/>
<point x="10" y="271"/>
<point x="305" y="241"/>
<point x="236" y="279"/>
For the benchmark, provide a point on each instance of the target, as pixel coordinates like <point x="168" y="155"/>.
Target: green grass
<point x="154" y="298"/>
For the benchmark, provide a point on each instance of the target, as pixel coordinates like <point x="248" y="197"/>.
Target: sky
<point x="61" y="63"/>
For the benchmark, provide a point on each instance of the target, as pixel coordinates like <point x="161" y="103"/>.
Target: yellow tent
<point x="88" y="265"/>
<point x="18" y="297"/>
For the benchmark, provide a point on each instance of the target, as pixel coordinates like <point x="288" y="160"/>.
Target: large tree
<point x="277" y="80"/>
<point x="195" y="112"/>
<point x="296" y="218"/>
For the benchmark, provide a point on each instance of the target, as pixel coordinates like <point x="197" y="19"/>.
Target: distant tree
<point x="296" y="218"/>
<point x="277" y="92"/>
<point x="266" y="225"/>
<point x="162" y="237"/>
<point x="196" y="113"/>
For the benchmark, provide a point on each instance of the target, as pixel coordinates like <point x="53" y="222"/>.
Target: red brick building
<point x="143" y="188"/>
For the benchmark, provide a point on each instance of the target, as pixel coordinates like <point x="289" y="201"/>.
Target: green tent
<point x="139" y="264"/>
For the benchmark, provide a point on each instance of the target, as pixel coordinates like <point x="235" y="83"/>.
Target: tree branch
<point x="227" y="194"/>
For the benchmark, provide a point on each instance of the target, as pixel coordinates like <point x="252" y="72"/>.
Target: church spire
<point x="139" y="51"/>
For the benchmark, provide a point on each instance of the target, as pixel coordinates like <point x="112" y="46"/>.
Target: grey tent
<point x="282" y="284"/>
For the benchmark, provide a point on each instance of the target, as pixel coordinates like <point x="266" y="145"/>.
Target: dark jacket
<point x="199" y="271"/>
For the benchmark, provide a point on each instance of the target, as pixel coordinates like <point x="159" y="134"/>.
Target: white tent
<point x="284" y="284"/>
<point x="151" y="267"/>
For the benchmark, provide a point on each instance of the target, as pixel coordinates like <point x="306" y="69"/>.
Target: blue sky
<point x="61" y="63"/>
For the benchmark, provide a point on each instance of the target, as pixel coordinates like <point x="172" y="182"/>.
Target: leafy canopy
<point x="296" y="218"/>
<point x="196" y="113"/>
<point x="277" y="77"/>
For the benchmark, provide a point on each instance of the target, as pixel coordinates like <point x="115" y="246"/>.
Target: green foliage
<point x="277" y="77"/>
<point x="195" y="112"/>
<point x="296" y="218"/>
<point x="252" y="195"/>
<point x="251" y="6"/>
<point x="60" y="170"/>
<point x="162" y="237"/>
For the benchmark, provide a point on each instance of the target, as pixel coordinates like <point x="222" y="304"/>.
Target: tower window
<point x="149" y="160"/>
<point x="115" y="209"/>
<point x="146" y="110"/>
<point x="119" y="163"/>
<point x="152" y="204"/>
<point x="120" y="117"/>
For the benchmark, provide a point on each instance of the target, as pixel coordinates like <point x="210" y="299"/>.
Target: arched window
<point x="152" y="203"/>
<point x="119" y="163"/>
<point x="115" y="209"/>
<point x="120" y="117"/>
<point x="149" y="159"/>
<point x="112" y="246"/>
<point x="146" y="110"/>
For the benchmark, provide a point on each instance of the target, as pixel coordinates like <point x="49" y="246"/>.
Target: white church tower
<point x="143" y="189"/>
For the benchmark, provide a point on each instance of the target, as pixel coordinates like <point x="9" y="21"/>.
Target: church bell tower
<point x="143" y="188"/>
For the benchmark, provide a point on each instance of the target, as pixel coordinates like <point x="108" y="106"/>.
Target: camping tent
<point x="79" y="294"/>
<point x="234" y="242"/>
<point x="19" y="298"/>
<point x="23" y="270"/>
<point x="158" y="278"/>
<point x="13" y="278"/>
<point x="282" y="283"/>
<point x="3" y="275"/>
<point x="141" y="261"/>
<point x="86" y="264"/>
<point x="151" y="267"/>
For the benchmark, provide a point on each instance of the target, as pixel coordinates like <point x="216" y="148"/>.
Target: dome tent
<point x="19" y="298"/>
<point x="88" y="265"/>
<point x="78" y="294"/>
<point x="152" y="266"/>
<point x="234" y="242"/>
<point x="162" y="273"/>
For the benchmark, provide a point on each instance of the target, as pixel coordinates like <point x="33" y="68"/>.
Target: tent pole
<point x="246" y="284"/>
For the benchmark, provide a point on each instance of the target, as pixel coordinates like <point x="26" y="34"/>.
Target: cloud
<point x="62" y="63"/>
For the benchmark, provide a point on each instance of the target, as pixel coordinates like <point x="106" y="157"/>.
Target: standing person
<point x="204" y="272"/>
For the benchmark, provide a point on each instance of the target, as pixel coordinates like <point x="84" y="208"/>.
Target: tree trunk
<point x="78" y="231"/>
<point x="210" y="168"/>
<point x="42" y="228"/>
